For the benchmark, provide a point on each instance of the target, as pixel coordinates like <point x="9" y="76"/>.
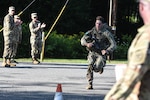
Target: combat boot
<point x="4" y="63"/>
<point x="35" y="61"/>
<point x="13" y="61"/>
<point x="10" y="64"/>
<point x="89" y="87"/>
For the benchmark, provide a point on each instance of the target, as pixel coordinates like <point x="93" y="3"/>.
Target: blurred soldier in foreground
<point x="36" y="29"/>
<point x="99" y="42"/>
<point x="8" y="34"/>
<point x="17" y="36"/>
<point x="137" y="73"/>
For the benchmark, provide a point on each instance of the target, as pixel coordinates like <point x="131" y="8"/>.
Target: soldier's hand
<point x="43" y="25"/>
<point x="104" y="52"/>
<point x="20" y="21"/>
<point x="39" y="25"/>
<point x="89" y="45"/>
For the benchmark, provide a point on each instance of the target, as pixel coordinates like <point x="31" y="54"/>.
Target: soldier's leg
<point x="39" y="49"/>
<point x="15" y="46"/>
<point x="8" y="50"/>
<point x="40" y="46"/>
<point x="6" y="54"/>
<point x="10" y="63"/>
<point x="11" y="47"/>
<point x="34" y="53"/>
<point x="89" y="77"/>
<point x="36" y="61"/>
<point x="4" y="63"/>
<point x="99" y="64"/>
<point x="89" y="74"/>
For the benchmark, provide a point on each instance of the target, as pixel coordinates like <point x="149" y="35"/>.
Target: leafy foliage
<point x="122" y="47"/>
<point x="64" y="46"/>
<point x="78" y="17"/>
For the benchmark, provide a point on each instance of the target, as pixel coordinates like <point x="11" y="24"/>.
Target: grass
<point x="82" y="61"/>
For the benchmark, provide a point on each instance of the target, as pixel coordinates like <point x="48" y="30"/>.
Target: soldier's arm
<point x="123" y="88"/>
<point x="111" y="40"/>
<point x="83" y="41"/>
<point x="8" y="23"/>
<point x="136" y="69"/>
<point x="85" y="38"/>
<point x="33" y="29"/>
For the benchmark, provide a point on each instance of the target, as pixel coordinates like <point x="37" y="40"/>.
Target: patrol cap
<point x="16" y="16"/>
<point x="33" y="15"/>
<point x="11" y="8"/>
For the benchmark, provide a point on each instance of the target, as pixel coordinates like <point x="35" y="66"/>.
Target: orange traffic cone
<point x="58" y="94"/>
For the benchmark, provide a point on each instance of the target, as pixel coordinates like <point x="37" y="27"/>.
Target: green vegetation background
<point x="78" y="17"/>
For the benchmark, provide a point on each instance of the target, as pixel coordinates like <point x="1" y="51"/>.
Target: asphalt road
<point x="39" y="82"/>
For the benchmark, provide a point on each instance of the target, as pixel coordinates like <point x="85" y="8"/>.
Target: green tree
<point x="79" y="16"/>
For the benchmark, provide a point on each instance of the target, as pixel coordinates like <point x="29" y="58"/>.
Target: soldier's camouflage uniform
<point x="8" y="34"/>
<point x="136" y="76"/>
<point x="35" y="39"/>
<point x="102" y="40"/>
<point x="17" y="38"/>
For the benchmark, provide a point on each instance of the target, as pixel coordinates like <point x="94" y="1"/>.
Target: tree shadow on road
<point x="33" y="95"/>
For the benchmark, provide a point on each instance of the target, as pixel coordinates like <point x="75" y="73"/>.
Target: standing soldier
<point x="17" y="36"/>
<point x="137" y="73"/>
<point x="99" y="42"/>
<point x="36" y="29"/>
<point x="8" y="33"/>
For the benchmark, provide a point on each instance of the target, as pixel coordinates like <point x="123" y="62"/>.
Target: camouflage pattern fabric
<point x="103" y="40"/>
<point x="135" y="83"/>
<point x="8" y="34"/>
<point x="17" y="38"/>
<point x="35" y="39"/>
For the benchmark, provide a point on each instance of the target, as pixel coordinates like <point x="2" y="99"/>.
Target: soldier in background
<point x="17" y="36"/>
<point x="36" y="29"/>
<point x="99" y="42"/>
<point x="137" y="73"/>
<point x="8" y="33"/>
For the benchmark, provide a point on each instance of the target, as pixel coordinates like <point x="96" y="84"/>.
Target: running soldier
<point x="99" y="42"/>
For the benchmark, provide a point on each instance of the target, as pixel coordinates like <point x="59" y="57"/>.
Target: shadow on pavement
<point x="4" y="95"/>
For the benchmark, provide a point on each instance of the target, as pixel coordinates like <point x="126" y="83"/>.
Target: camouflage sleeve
<point x="137" y="67"/>
<point x="9" y="23"/>
<point x="32" y="28"/>
<point x="122" y="89"/>
<point x="111" y="40"/>
<point x="85" y="38"/>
